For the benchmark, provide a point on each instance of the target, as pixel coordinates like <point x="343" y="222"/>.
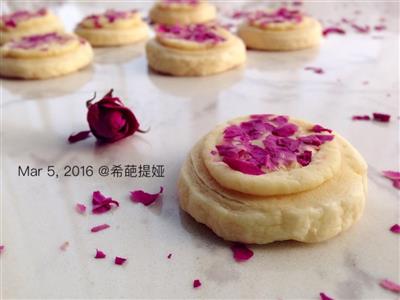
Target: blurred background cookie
<point x="280" y="30"/>
<point x="113" y="28"/>
<point x="182" y="12"/>
<point x="44" y="56"/>
<point x="24" y="22"/>
<point x="194" y="50"/>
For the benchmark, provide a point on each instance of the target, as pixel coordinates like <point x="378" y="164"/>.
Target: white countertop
<point x="37" y="213"/>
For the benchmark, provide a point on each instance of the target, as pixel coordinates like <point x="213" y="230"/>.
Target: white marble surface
<point x="37" y="214"/>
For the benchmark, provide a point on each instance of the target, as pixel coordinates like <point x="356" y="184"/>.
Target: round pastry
<point x="194" y="50"/>
<point x="113" y="28"/>
<point x="265" y="178"/>
<point x="280" y="30"/>
<point x="24" y="23"/>
<point x="44" y="56"/>
<point x="182" y="12"/>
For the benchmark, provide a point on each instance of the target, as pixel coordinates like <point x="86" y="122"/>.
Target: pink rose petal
<point x="330" y="30"/>
<point x="316" y="70"/>
<point x="99" y="254"/>
<point x="102" y="204"/>
<point x="318" y="128"/>
<point x="241" y="252"/>
<point x="379" y="27"/>
<point x="80" y="208"/>
<point x="285" y="130"/>
<point x="304" y="159"/>
<point x="99" y="227"/>
<point x="323" y="296"/>
<point x="146" y="199"/>
<point x="396" y="184"/>
<point x="361" y="118"/>
<point x="243" y="166"/>
<point x="393" y="175"/>
<point x="359" y="28"/>
<point x="196" y="283"/>
<point x="379" y="117"/>
<point x="390" y="285"/>
<point x="73" y="138"/>
<point x="2" y="247"/>
<point x="64" y="246"/>
<point x="395" y="228"/>
<point x="119" y="260"/>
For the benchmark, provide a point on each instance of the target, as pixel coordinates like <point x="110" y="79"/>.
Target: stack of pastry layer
<point x="266" y="178"/>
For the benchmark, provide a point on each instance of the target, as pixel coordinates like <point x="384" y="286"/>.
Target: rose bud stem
<point x="89" y="102"/>
<point x="143" y="131"/>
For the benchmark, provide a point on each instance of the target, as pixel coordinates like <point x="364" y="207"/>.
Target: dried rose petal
<point x="316" y="70"/>
<point x="80" y="208"/>
<point x="241" y="252"/>
<point x="330" y="30"/>
<point x="99" y="254"/>
<point x="396" y="184"/>
<point x="199" y="33"/>
<point x="361" y="29"/>
<point x="119" y="260"/>
<point x="73" y="138"/>
<point x="361" y="118"/>
<point x="390" y="285"/>
<point x="323" y="296"/>
<point x="379" y="117"/>
<point x="285" y="130"/>
<point x="263" y="142"/>
<point x="393" y="175"/>
<point x="99" y="227"/>
<point x="196" y="283"/>
<point x="379" y="27"/>
<point x="146" y="199"/>
<point x="169" y="256"/>
<point x="243" y="166"/>
<point x="318" y="128"/>
<point x="395" y="228"/>
<point x="102" y="204"/>
<point x="304" y="159"/>
<point x="64" y="246"/>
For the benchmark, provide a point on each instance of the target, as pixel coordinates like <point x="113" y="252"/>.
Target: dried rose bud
<point x="110" y="120"/>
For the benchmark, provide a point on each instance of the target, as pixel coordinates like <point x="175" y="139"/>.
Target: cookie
<point x="194" y="50"/>
<point x="182" y="12"/>
<point x="265" y="178"/>
<point x="113" y="28"/>
<point x="280" y="30"/>
<point x="24" y="23"/>
<point x="44" y="56"/>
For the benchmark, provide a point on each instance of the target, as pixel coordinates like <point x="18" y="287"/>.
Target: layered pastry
<point x="24" y="23"/>
<point x="265" y="178"/>
<point x="280" y="30"/>
<point x="182" y="12"/>
<point x="113" y="28"/>
<point x="44" y="56"/>
<point x="194" y="50"/>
